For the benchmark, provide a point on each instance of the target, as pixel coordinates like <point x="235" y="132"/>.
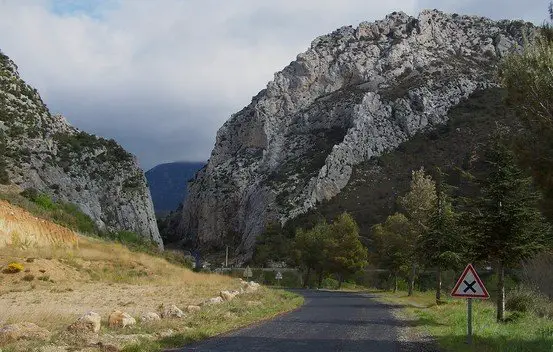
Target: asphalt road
<point x="329" y="321"/>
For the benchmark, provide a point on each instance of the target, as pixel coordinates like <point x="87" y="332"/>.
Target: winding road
<point x="328" y="321"/>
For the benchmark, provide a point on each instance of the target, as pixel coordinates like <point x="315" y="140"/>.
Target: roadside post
<point x="470" y="286"/>
<point x="278" y="277"/>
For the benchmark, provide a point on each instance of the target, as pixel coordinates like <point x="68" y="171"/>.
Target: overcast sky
<point x="161" y="76"/>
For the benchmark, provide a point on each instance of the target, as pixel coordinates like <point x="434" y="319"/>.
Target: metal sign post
<point x="470" y="286"/>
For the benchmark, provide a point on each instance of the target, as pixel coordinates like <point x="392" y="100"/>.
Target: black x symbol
<point x="469" y="286"/>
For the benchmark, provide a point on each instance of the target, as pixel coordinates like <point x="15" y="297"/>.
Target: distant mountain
<point x="168" y="182"/>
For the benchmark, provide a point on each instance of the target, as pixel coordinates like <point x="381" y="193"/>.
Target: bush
<point x="28" y="277"/>
<point x="525" y="300"/>
<point x="13" y="268"/>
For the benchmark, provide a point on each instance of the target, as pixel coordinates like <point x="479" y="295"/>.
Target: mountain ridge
<point x="354" y="94"/>
<point x="43" y="151"/>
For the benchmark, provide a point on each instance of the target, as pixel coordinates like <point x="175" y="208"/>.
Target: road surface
<point x="328" y="321"/>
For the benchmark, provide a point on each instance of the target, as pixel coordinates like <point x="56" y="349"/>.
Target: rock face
<point x="41" y="150"/>
<point x="353" y="95"/>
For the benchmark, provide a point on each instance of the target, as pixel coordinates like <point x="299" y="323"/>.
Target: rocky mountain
<point x="41" y="150"/>
<point x="353" y="95"/>
<point x="167" y="183"/>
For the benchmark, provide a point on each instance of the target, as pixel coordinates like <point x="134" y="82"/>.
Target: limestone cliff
<point x="41" y="150"/>
<point x="353" y="95"/>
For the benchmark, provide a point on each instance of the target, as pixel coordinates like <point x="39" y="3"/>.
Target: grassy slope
<point x="448" y="324"/>
<point x="67" y="275"/>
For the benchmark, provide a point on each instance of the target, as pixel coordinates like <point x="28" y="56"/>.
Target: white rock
<point x="172" y="311"/>
<point x="90" y="322"/>
<point x="120" y="319"/>
<point x="149" y="317"/>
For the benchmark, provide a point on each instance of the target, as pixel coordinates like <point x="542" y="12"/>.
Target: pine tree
<point x="507" y="226"/>
<point x="419" y="204"/>
<point x="346" y="253"/>
<point x="392" y="243"/>
<point x="442" y="244"/>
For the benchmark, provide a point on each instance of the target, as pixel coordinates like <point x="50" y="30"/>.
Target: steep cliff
<point x="41" y="150"/>
<point x="353" y="95"/>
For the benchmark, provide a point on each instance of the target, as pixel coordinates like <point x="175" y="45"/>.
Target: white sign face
<point x="469" y="285"/>
<point x="278" y="275"/>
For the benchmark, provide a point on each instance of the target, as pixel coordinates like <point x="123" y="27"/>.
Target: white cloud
<point x="162" y="76"/>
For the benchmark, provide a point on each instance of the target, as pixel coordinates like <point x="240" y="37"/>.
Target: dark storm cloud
<point x="162" y="76"/>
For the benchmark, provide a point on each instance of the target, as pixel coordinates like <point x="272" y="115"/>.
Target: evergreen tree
<point x="419" y="204"/>
<point x="442" y="244"/>
<point x="391" y="241"/>
<point x="311" y="250"/>
<point x="346" y="253"/>
<point x="507" y="226"/>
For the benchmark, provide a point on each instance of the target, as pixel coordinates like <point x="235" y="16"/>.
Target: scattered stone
<point x="149" y="317"/>
<point x="172" y="311"/>
<point x="251" y="287"/>
<point x="214" y="300"/>
<point x="227" y="295"/>
<point x="23" y="331"/>
<point x="90" y="322"/>
<point x="120" y="319"/>
<point x="193" y="309"/>
<point x="166" y="333"/>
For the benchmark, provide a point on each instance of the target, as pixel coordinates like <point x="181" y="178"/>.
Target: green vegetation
<point x="447" y="323"/>
<point x="330" y="249"/>
<point x="210" y="322"/>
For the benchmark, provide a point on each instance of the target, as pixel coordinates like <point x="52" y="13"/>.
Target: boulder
<point x="193" y="309"/>
<point x="149" y="317"/>
<point x="90" y="322"/>
<point x="119" y="319"/>
<point x="172" y="311"/>
<point x="23" y="331"/>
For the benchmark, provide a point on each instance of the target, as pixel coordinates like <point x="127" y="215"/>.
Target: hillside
<point x="353" y="96"/>
<point x="168" y="184"/>
<point x="371" y="194"/>
<point x="50" y="276"/>
<point x="42" y="151"/>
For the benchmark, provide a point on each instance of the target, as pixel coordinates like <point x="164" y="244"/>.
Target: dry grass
<point x="18" y="228"/>
<point x="74" y="274"/>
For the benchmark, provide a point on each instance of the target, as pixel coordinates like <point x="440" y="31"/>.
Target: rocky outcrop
<point x="42" y="151"/>
<point x="353" y="95"/>
<point x="88" y="323"/>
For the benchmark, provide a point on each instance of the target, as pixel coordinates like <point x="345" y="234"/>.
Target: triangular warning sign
<point x="469" y="285"/>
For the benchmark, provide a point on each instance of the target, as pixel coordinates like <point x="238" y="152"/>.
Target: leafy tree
<point x="346" y="253"/>
<point x="391" y="241"/>
<point x="442" y="244"/>
<point x="419" y="204"/>
<point x="507" y="226"/>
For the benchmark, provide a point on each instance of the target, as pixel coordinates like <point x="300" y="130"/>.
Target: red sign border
<point x="486" y="295"/>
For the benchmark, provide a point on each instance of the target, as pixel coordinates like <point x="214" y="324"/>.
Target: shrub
<point x="28" y="277"/>
<point x="523" y="299"/>
<point x="44" y="278"/>
<point x="13" y="268"/>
